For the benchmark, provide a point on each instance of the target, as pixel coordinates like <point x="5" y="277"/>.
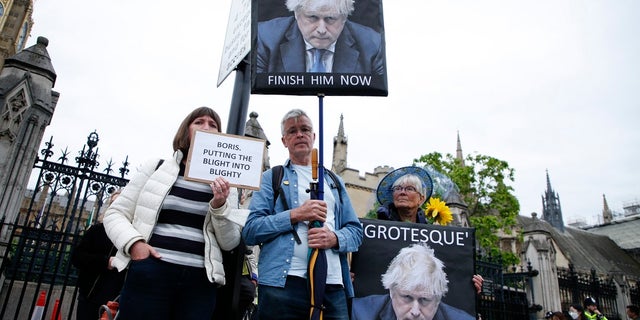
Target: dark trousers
<point x="292" y="301"/>
<point x="88" y="310"/>
<point x="224" y="301"/>
<point x="159" y="290"/>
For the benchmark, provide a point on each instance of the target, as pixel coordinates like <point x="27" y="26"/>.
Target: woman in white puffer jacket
<point x="170" y="232"/>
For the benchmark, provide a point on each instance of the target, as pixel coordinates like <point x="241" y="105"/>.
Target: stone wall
<point x="362" y="189"/>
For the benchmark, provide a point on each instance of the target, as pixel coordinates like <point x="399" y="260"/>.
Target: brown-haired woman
<point x="170" y="232"/>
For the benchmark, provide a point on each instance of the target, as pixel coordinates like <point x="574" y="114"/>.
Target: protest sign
<point x="235" y="158"/>
<point x="454" y="246"/>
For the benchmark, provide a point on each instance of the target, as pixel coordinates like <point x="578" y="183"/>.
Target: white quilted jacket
<point x="132" y="216"/>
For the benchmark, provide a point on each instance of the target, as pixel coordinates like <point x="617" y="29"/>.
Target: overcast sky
<point x="544" y="85"/>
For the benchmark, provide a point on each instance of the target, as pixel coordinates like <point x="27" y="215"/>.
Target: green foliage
<point x="483" y="185"/>
<point x="372" y="214"/>
<point x="509" y="258"/>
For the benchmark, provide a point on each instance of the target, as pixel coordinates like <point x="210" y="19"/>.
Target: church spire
<point x="551" y="211"/>
<point x="459" y="155"/>
<point x="341" y="127"/>
<point x="607" y="215"/>
<point x="339" y="149"/>
<point x="252" y="128"/>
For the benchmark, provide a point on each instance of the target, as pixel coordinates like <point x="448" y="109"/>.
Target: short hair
<point x="344" y="7"/>
<point x="181" y="139"/>
<point x="417" y="268"/>
<point x="413" y="180"/>
<point x="292" y="114"/>
<point x="633" y="308"/>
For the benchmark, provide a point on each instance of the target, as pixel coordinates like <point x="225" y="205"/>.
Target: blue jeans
<point x="159" y="290"/>
<point x="292" y="301"/>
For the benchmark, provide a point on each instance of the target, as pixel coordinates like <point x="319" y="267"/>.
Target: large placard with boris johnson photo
<point x="383" y="241"/>
<point x="307" y="47"/>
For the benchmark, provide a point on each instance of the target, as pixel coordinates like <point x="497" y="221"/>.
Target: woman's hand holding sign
<point x="220" y="187"/>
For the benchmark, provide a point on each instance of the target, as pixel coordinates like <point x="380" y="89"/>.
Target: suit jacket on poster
<point x="281" y="48"/>
<point x="378" y="307"/>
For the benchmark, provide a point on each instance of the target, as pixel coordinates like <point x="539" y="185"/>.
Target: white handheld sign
<point x="235" y="158"/>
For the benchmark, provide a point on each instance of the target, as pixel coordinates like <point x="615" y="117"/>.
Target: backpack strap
<point x="278" y="192"/>
<point x="276" y="180"/>
<point x="336" y="182"/>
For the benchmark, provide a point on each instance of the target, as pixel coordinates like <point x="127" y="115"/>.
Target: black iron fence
<point x="577" y="286"/>
<point x="37" y="255"/>
<point x="67" y="199"/>
<point x="504" y="292"/>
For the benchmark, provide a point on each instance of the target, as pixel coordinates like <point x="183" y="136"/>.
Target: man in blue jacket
<point x="318" y="38"/>
<point x="279" y="223"/>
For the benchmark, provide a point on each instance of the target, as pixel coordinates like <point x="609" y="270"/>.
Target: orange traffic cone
<point x="55" y="311"/>
<point x="38" y="311"/>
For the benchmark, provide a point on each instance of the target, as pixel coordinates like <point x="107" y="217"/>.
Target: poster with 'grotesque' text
<point x="385" y="240"/>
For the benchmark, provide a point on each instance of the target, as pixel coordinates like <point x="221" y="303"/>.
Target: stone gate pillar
<point x="27" y="103"/>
